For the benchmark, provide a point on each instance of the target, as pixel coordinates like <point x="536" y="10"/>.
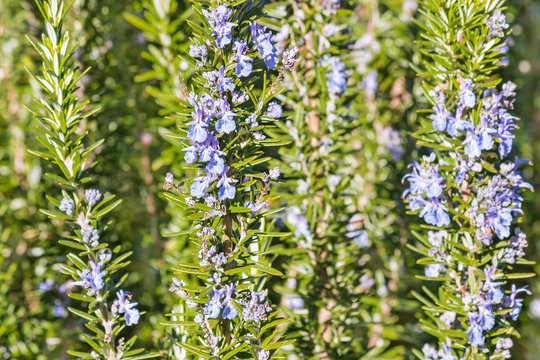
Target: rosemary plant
<point x="343" y="269"/>
<point x="92" y="264"/>
<point x="467" y="188"/>
<point x="227" y="201"/>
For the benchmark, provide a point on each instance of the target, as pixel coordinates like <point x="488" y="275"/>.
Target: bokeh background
<point x="130" y="78"/>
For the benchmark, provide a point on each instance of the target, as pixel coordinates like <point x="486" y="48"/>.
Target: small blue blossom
<point x="476" y="338"/>
<point x="225" y="123"/>
<point x="263" y="40"/>
<point x="213" y="307"/>
<point x="255" y="208"/>
<point x="433" y="211"/>
<point x="296" y="219"/>
<point x="273" y="110"/>
<point x="244" y="66"/>
<point x="229" y="312"/>
<point x="336" y="77"/>
<point x="218" y="19"/>
<point x="92" y="280"/>
<point x="440" y="117"/>
<point x="123" y="306"/>
<point x="466" y="95"/>
<point x="433" y="270"/>
<point x="515" y="303"/>
<point x="92" y="196"/>
<point x="199" y="186"/>
<point x="67" y="205"/>
<point x="486" y="319"/>
<point x="226" y="189"/>
<point x="370" y="83"/>
<point x="255" y="307"/>
<point x="492" y="288"/>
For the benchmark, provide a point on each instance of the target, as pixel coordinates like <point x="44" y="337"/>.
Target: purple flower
<point x="226" y="189"/>
<point x="433" y="211"/>
<point x="216" y="165"/>
<point x="226" y="123"/>
<point x="476" y="338"/>
<point x="218" y="19"/>
<point x="274" y="110"/>
<point x="244" y="67"/>
<point x="197" y="132"/>
<point x="199" y="186"/>
<point x="336" y="78"/>
<point x="440" y="117"/>
<point x="504" y="132"/>
<point x="190" y="155"/>
<point x="425" y="180"/>
<point x="296" y="219"/>
<point x="213" y="307"/>
<point x="255" y="208"/>
<point x="433" y="270"/>
<point x="515" y="303"/>
<point x="123" y="305"/>
<point x="495" y="294"/>
<point x="91" y="279"/>
<point x="486" y="319"/>
<point x="229" y="312"/>
<point x="263" y="40"/>
<point x="256" y="308"/>
<point x="466" y="95"/>
<point x="472" y="144"/>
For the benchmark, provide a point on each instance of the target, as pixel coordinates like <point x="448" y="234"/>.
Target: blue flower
<point x="274" y="110"/>
<point x="370" y="82"/>
<point x="263" y="40"/>
<point x="466" y="95"/>
<point x="504" y="133"/>
<point x="244" y="67"/>
<point x="424" y="180"/>
<point x="486" y="319"/>
<point x="191" y="154"/>
<point x="91" y="279"/>
<point x="433" y="211"/>
<point x="213" y="307"/>
<point x="229" y="312"/>
<point x="226" y="123"/>
<point x="336" y="78"/>
<point x="440" y="117"/>
<point x="219" y="22"/>
<point x="299" y="221"/>
<point x="514" y="303"/>
<point x="226" y="189"/>
<point x="123" y="305"/>
<point x="197" y="131"/>
<point x="255" y="208"/>
<point x="476" y="338"/>
<point x="472" y="144"/>
<point x="495" y="294"/>
<point x="199" y="186"/>
<point x="216" y="165"/>
<point x="433" y="270"/>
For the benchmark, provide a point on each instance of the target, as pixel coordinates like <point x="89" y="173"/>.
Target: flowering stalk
<point x="110" y="309"/>
<point x="227" y="201"/>
<point x="466" y="188"/>
<point x="331" y="169"/>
